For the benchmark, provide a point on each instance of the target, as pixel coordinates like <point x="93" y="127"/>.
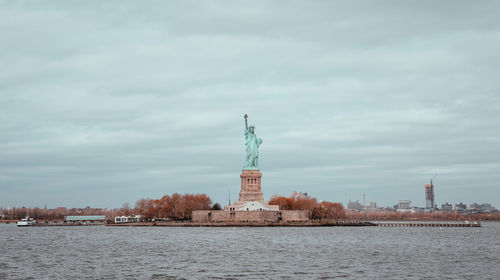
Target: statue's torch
<point x="246" y="123"/>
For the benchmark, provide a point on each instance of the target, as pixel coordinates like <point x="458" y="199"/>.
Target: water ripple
<point x="249" y="253"/>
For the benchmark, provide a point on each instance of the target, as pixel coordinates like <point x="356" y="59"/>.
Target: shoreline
<point x="260" y="224"/>
<point x="351" y="223"/>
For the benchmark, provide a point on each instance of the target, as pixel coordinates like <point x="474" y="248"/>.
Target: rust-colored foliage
<point x="175" y="207"/>
<point x="284" y="203"/>
<point x="305" y="203"/>
<point x="296" y="203"/>
<point x="328" y="210"/>
<point x="323" y="210"/>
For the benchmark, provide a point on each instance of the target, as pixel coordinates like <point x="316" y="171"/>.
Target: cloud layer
<point x="105" y="103"/>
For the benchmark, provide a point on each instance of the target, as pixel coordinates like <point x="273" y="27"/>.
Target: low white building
<point x="128" y="219"/>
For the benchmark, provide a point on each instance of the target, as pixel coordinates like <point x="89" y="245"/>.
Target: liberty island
<point x="251" y="206"/>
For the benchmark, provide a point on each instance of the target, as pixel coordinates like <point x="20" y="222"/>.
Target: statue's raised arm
<point x="246" y="123"/>
<point x="252" y="143"/>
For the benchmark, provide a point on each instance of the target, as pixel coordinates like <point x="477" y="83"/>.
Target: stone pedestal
<point x="251" y="197"/>
<point x="250" y="186"/>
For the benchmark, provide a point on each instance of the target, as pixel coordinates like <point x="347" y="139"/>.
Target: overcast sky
<point x="106" y="102"/>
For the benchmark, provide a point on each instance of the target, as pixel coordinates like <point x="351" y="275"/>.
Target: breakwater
<point x="428" y="224"/>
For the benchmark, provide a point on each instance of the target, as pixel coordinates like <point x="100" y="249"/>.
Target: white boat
<point x="25" y="222"/>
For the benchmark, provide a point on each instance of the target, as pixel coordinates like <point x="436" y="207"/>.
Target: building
<point x="390" y="208"/>
<point x="482" y="208"/>
<point x="372" y="206"/>
<point x="92" y="219"/>
<point x="298" y="195"/>
<point x="127" y="219"/>
<point x="446" y="207"/>
<point x="460" y="207"/>
<point x="404" y="206"/>
<point x="415" y="209"/>
<point x="429" y="196"/>
<point x="251" y="196"/>
<point x="354" y="205"/>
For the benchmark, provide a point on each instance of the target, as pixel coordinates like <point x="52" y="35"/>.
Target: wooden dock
<point x="428" y="224"/>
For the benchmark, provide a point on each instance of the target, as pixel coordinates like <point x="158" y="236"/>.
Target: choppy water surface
<point x="249" y="253"/>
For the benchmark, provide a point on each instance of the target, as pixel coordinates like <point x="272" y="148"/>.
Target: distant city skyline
<point x="107" y="103"/>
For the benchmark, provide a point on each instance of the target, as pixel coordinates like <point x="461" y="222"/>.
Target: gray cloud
<point x="105" y="103"/>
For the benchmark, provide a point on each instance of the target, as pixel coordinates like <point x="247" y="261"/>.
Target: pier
<point x="428" y="224"/>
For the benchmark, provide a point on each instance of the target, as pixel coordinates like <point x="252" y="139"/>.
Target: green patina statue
<point x="253" y="143"/>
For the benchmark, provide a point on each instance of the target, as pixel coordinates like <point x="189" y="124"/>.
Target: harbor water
<point x="100" y="252"/>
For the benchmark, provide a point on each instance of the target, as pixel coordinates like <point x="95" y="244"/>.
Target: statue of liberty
<point x="253" y="143"/>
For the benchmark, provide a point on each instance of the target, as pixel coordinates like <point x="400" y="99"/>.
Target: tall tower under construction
<point x="429" y="196"/>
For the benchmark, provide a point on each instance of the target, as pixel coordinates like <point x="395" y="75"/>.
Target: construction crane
<point x="434" y="177"/>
